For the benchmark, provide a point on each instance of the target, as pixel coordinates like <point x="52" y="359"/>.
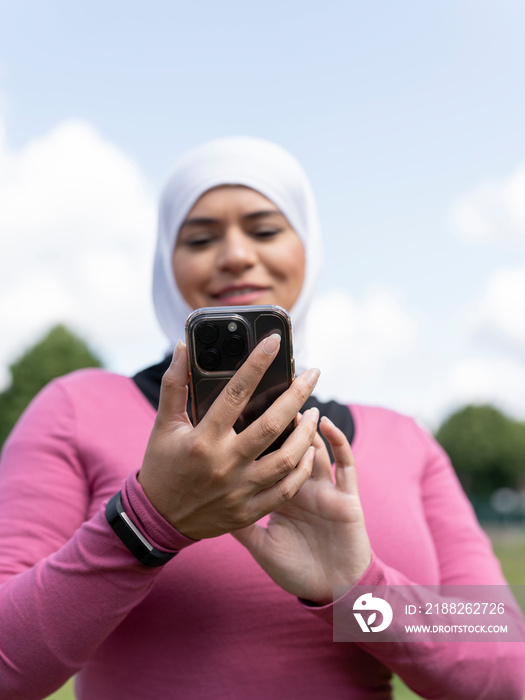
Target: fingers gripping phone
<point x="219" y="339"/>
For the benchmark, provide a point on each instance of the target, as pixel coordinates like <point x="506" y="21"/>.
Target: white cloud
<point x="374" y="351"/>
<point x="476" y="380"/>
<point x="500" y="310"/>
<point x="494" y="208"/>
<point x="357" y="343"/>
<point x="77" y="223"/>
<point x="496" y="319"/>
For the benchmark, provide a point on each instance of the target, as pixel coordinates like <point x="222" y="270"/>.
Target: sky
<point x="408" y="118"/>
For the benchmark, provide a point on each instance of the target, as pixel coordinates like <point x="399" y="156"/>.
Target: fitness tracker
<point x="131" y="536"/>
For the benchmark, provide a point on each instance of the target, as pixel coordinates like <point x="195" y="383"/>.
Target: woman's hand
<point x="204" y="480"/>
<point x="318" y="539"/>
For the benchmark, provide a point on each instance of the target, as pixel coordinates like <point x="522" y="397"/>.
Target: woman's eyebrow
<point x="206" y="220"/>
<point x="260" y="214"/>
<point x="199" y="221"/>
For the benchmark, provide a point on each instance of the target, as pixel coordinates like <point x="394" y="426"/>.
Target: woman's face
<point x="235" y="248"/>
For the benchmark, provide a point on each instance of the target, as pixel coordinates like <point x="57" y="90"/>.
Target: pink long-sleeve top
<point x="211" y="624"/>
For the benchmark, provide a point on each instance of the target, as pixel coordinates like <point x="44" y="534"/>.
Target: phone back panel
<point x="211" y="366"/>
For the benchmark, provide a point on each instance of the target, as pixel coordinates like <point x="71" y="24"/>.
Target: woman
<point x="152" y="596"/>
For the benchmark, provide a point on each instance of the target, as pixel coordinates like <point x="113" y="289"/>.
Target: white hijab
<point x="237" y="160"/>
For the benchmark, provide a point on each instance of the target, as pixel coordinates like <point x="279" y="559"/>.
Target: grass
<point x="65" y="692"/>
<point x="509" y="546"/>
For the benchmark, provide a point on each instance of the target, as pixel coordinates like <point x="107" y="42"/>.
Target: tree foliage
<point x="60" y="351"/>
<point x="487" y="448"/>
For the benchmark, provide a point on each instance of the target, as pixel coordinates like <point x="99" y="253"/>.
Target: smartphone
<point x="219" y="339"/>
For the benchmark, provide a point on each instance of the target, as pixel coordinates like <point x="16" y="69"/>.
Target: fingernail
<point x="176" y="352"/>
<point x="314" y="414"/>
<point x="271" y="344"/>
<point x="312" y="376"/>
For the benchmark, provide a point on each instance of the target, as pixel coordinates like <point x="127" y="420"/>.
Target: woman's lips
<point x="233" y="296"/>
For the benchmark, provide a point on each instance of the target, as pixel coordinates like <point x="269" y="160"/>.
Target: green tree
<point x="487" y="449"/>
<point x="60" y="351"/>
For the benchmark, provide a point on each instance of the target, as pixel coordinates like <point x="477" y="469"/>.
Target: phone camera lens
<point x="234" y="345"/>
<point x="207" y="333"/>
<point x="210" y="359"/>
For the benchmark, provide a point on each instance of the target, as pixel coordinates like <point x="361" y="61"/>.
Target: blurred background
<point x="408" y="118"/>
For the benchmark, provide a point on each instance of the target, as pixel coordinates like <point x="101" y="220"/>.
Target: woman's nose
<point x="237" y="252"/>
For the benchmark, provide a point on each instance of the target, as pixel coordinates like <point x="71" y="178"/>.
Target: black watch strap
<point x="131" y="536"/>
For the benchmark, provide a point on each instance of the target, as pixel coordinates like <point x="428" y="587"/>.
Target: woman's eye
<point x="199" y="240"/>
<point x="266" y="232"/>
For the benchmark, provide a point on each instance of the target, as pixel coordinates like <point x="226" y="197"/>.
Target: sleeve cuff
<point x="153" y="526"/>
<point x="373" y="576"/>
